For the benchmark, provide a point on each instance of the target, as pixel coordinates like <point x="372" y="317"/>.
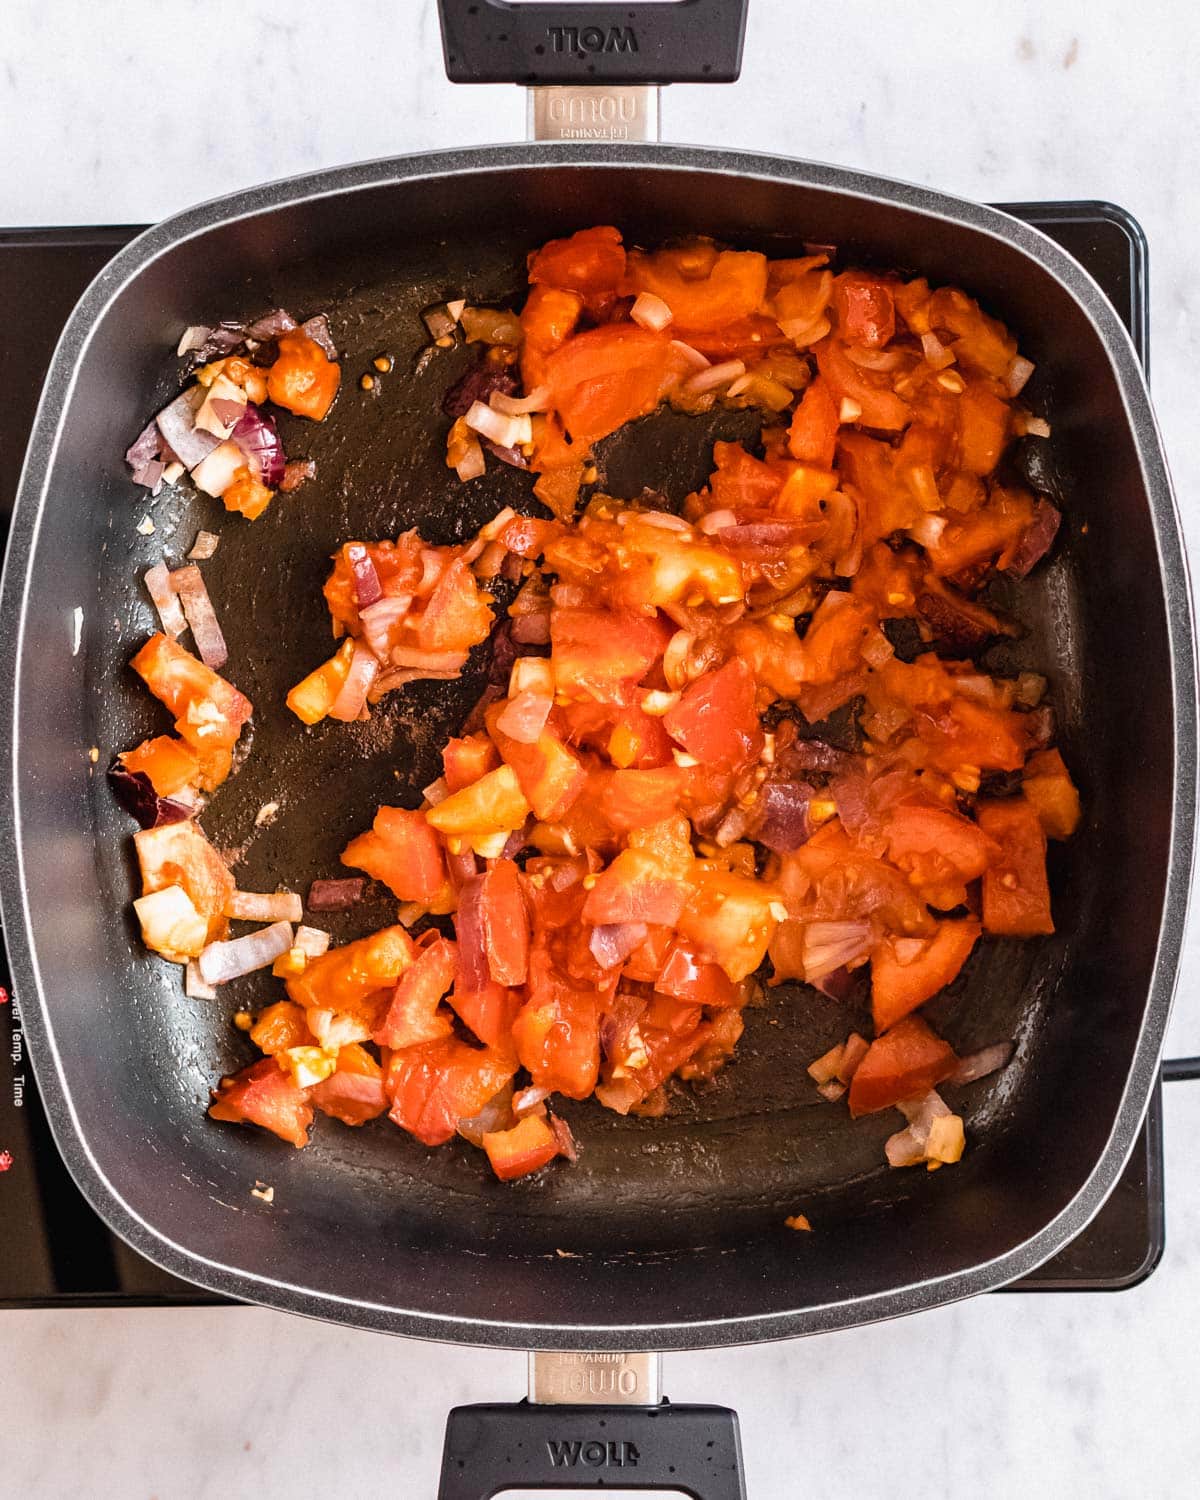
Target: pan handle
<point x="1180" y="1069"/>
<point x="576" y="42"/>
<point x="617" y="1433"/>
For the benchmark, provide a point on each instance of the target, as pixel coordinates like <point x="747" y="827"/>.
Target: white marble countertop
<point x="125" y="113"/>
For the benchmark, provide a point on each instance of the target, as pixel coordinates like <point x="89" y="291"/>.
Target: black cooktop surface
<point x="53" y="1249"/>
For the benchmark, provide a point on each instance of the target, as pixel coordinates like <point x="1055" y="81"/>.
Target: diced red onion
<point x="197" y="606"/>
<point x="461" y="867"/>
<point x="516" y="406"/>
<point x="767" y="534"/>
<point x="352" y="696"/>
<point x="311" y="941"/>
<point x="927" y="529"/>
<point x="873" y="359"/>
<point x="836" y="985"/>
<point x="378" y="619"/>
<point x="258" y="438"/>
<point x="335" y="895"/>
<point x="732" y="826"/>
<point x="477" y="385"/>
<point x="979" y="1064"/>
<point x="1038" y="539"/>
<point x="271" y="325"/>
<point x="204" y="546"/>
<point x="221" y="962"/>
<point x="783" y="818"/>
<point x="193" y="338"/>
<point x="158" y="585"/>
<point x="367" y="588"/>
<point x="495" y="1115"/>
<point x="144" y="457"/>
<point x="529" y="1099"/>
<point x="524" y="717"/>
<point x="815" y="755"/>
<point x="135" y="792"/>
<point x="824" y="1069"/>
<point x="1018" y="375"/>
<point x="907" y="1147"/>
<point x="830" y="945"/>
<point x="177" y="424"/>
<point x="222" y="408"/>
<point x="566" y="1141"/>
<point x="517" y="840"/>
<point x="317" y="329"/>
<point x="1034" y="427"/>
<point x="715" y="375"/>
<point x="612" y="944"/>
<point x="295" y="472"/>
<point x="247" y="906"/>
<point x="433" y="565"/>
<point x="193" y="986"/>
<point x="855" y="1049"/>
<point x="395" y="677"/>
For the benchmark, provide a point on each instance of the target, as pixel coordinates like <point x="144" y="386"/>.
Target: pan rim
<point x="831" y="1314"/>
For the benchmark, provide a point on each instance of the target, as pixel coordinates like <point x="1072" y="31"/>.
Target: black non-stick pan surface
<point x="668" y="1232"/>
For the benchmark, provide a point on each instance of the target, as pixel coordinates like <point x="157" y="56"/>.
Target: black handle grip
<point x="1181" y="1069"/>
<point x="497" y="41"/>
<point x="696" y="1449"/>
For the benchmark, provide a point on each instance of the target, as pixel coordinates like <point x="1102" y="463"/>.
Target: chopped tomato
<point x="488" y="1011"/>
<point x="716" y="720"/>
<point x="550" y="776"/>
<point x="178" y="854"/>
<point x="904" y="1063"/>
<point x="594" y="650"/>
<point x="169" y="763"/>
<point x="688" y="975"/>
<point x="413" y="1013"/>
<point x="397" y="565"/>
<point x="635" y="888"/>
<point x="303" y="378"/>
<point x="466" y="760"/>
<point x="939" y="850"/>
<point x="434" y="1085"/>
<point x="493" y="804"/>
<point x="313" y="696"/>
<point x="209" y="712"/>
<point x="907" y="971"/>
<point x="637" y="799"/>
<point x="514" y="1153"/>
<point x="548" y="320"/>
<point x="646" y="961"/>
<point x="345" y="977"/>
<point x="247" y="495"/>
<point x="870" y="390"/>
<point x="353" y="1093"/>
<point x="865" y="310"/>
<point x="812" y="437"/>
<point x="704" y="288"/>
<point x="601" y="379"/>
<point x="557" y="1030"/>
<point x="1016" y="893"/>
<point x="505" y="922"/>
<point x="281" y="1026"/>
<point x="591" y="262"/>
<point x="263" y="1094"/>
<point x="457" y="615"/>
<point x="730" y="917"/>
<point x="983" y="425"/>
<point x="1048" y="786"/>
<point x="403" y="852"/>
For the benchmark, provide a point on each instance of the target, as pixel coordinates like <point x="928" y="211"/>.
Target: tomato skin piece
<point x="263" y="1094"/>
<point x="353" y="1093"/>
<point x="605" y="377"/>
<point x="688" y="975"/>
<point x="434" y="1085"/>
<point x="903" y="1063"/>
<point x="866" y="312"/>
<point x="514" y="1153"/>
<point x="506" y="923"/>
<point x="897" y="988"/>
<point x="344" y="977"/>
<point x="913" y="832"/>
<point x="635" y="888"/>
<point x="1016" y="892"/>
<point x="716" y="720"/>
<point x="303" y="379"/>
<point x="413" y="1013"/>
<point x="812" y="437"/>
<point x="467" y="759"/>
<point x="403" y="852"/>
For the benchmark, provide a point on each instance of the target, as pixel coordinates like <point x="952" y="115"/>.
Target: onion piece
<point x="282" y="906"/>
<point x="506" y="432"/>
<point x="474" y="971"/>
<point x="221" y="962"/>
<point x="805" y="331"/>
<point x="271" y="325"/>
<point x="612" y="944"/>
<point x="295" y="472"/>
<point x="367" y="587"/>
<point x="715" y="375"/>
<point x="317" y="329"/>
<point x="649" y="311"/>
<point x="204" y="546"/>
<point x="222" y="409"/>
<point x="717" y="520"/>
<point x="352" y="697"/>
<point x="135" y="792"/>
<point x="825" y="1068"/>
<point x="539" y="399"/>
<point x="197" y="606"/>
<point x="982" y="1063"/>
<point x="311" y="941"/>
<point x="853" y="1052"/>
<point x="694" y="358"/>
<point x="429" y="661"/>
<point x="529" y="1100"/>
<point x="215" y="473"/>
<point x="192" y="338"/>
<point x="830" y="945"/>
<point x="258" y="438"/>
<point x="145" y="457"/>
<point x="1018" y="375"/>
<point x="472" y="464"/>
<point x="524" y="717"/>
<point x="927" y="529"/>
<point x="378" y="618"/>
<point x="158" y="585"/>
<point x="495" y="1115"/>
<point x="177" y="423"/>
<point x="335" y="895"/>
<point x="783" y="824"/>
<point x="193" y="986"/>
<point x="833" y="1090"/>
